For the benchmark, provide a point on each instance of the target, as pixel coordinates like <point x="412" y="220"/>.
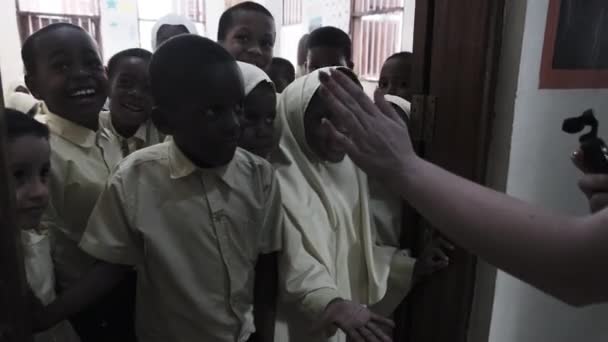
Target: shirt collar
<point x="140" y="134"/>
<point x="75" y="133"/>
<point x="180" y="166"/>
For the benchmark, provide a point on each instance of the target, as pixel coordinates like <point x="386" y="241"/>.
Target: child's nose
<point x="255" y="49"/>
<point x="38" y="190"/>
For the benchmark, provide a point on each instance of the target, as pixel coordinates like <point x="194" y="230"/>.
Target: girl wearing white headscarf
<point x="259" y="112"/>
<point x="329" y="204"/>
<point x="19" y="98"/>
<point x="401" y="105"/>
<point x="169" y="26"/>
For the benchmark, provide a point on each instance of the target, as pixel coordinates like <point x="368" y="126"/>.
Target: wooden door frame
<point x="456" y="52"/>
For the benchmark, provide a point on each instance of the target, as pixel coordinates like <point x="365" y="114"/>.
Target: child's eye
<point x="44" y="174"/>
<point x="19" y="176"/>
<point x="125" y="83"/>
<point x="267" y="44"/>
<point x="60" y="66"/>
<point x="269" y="120"/>
<point x="243" y="38"/>
<point x="404" y="84"/>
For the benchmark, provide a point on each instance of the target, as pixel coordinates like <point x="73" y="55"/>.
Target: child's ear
<point x="30" y="83"/>
<point x="159" y="119"/>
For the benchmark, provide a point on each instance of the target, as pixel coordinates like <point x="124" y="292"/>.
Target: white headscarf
<point x="402" y="103"/>
<point x="252" y="76"/>
<point x="22" y="102"/>
<point x="174" y="20"/>
<point x="329" y="203"/>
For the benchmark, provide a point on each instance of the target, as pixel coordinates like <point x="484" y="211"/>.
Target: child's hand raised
<point x="432" y="259"/>
<point x="356" y="321"/>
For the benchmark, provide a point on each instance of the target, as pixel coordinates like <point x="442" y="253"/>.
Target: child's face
<point x="251" y="38"/>
<point x="29" y="163"/>
<point x="318" y="136"/>
<point x="169" y="31"/>
<point x="69" y="76"/>
<point x="321" y="56"/>
<point x="395" y="78"/>
<point x="279" y="77"/>
<point x="206" y="126"/>
<point x="130" y="94"/>
<point x="257" y="118"/>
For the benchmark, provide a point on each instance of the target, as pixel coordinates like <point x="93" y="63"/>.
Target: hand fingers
<point x="354" y="335"/>
<point x="593" y="183"/>
<point x="446" y="244"/>
<point x="341" y="96"/>
<point x="385" y="107"/>
<point x="355" y="92"/>
<point x="338" y="136"/>
<point x="342" y="112"/>
<point x="383" y="321"/>
<point x="368" y="334"/>
<point x="381" y="334"/>
<point x="598" y="202"/>
<point x="579" y="161"/>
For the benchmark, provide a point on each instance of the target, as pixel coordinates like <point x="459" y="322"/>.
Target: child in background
<point x="302" y="54"/>
<point x="328" y="46"/>
<point x="401" y="105"/>
<point x="28" y="158"/>
<point x="64" y="69"/>
<point x="395" y="75"/>
<point x="281" y="73"/>
<point x="20" y="99"/>
<point x="326" y="198"/>
<point x="169" y="26"/>
<point x="247" y="30"/>
<point x="259" y="111"/>
<point x="131" y="102"/>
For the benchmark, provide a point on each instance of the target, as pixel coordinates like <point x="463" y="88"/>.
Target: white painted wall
<point x="539" y="171"/>
<point x="10" y="51"/>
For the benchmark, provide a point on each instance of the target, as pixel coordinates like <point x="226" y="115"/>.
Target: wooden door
<point x="456" y="49"/>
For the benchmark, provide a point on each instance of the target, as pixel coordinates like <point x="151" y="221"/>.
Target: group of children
<point x="209" y="203"/>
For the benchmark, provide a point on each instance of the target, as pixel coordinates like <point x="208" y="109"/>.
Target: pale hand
<point x="356" y="321"/>
<point x="377" y="140"/>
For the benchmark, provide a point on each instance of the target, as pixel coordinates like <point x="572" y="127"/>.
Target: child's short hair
<point x="329" y="36"/>
<point x="400" y="55"/>
<point x="176" y="65"/>
<point x="135" y="52"/>
<point x="19" y="124"/>
<point x="227" y="18"/>
<point x="282" y="63"/>
<point x="28" y="51"/>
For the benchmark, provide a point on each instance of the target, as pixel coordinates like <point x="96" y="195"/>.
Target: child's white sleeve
<point x="110" y="235"/>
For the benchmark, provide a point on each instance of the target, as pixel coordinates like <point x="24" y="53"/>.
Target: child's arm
<point x="93" y="286"/>
<point x="265" y="298"/>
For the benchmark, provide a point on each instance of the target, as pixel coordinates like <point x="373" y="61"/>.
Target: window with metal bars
<point x="32" y="15"/>
<point x="292" y="12"/>
<point x="376" y="29"/>
<point x="149" y="12"/>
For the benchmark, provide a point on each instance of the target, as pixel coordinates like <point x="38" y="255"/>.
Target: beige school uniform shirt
<point x="329" y="205"/>
<point x="81" y="161"/>
<point x="194" y="236"/>
<point x="146" y="135"/>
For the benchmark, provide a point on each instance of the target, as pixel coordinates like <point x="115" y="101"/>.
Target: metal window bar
<point x="376" y="35"/>
<point x="31" y="22"/>
<point x="292" y="12"/>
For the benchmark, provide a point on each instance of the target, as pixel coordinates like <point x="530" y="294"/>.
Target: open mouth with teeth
<point x="132" y="107"/>
<point x="83" y="93"/>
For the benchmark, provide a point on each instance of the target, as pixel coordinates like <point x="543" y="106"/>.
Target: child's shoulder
<point x="149" y="157"/>
<point x="249" y="161"/>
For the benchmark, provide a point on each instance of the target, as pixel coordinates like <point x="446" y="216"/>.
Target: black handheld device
<point x="595" y="153"/>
